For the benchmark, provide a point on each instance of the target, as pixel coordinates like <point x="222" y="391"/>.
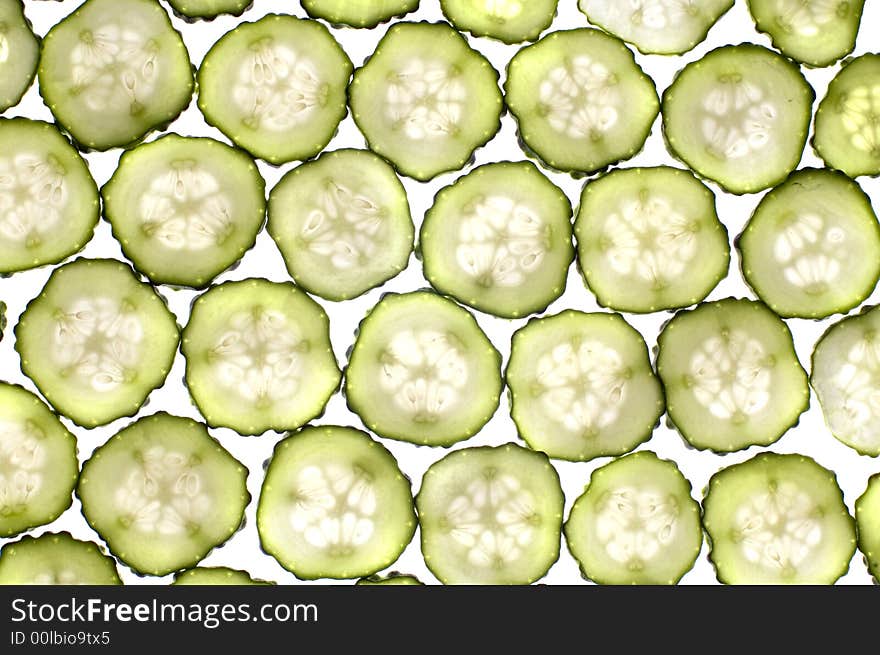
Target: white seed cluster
<point x="33" y="196"/>
<point x="806" y="18"/>
<point x="636" y="524"/>
<point x="580" y="98"/>
<point x="501" y="10"/>
<point x="65" y="577"/>
<point x="22" y="465"/>
<point x="811" y="250"/>
<point x="4" y="46"/>
<point x="861" y="118"/>
<point x="737" y="122"/>
<point x="854" y="407"/>
<point x="426" y="99"/>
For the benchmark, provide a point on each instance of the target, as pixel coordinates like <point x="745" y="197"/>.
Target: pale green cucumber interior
<point x="216" y="575"/>
<point x="56" y="559"/>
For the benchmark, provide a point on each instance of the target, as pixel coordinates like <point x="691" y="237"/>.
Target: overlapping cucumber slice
<point x="208" y="9"/>
<point x="868" y="522"/>
<point x="510" y="21"/>
<point x="392" y="579"/>
<point x="216" y="575"/>
<point x="358" y="13"/>
<point x="19" y="53"/>
<point x="56" y="558"/>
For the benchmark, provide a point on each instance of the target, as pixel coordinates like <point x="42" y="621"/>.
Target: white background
<point x="810" y="436"/>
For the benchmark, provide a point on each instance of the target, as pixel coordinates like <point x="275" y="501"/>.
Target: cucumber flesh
<point x="581" y="100"/>
<point x="19" y="53"/>
<point x="490" y="516"/>
<point x="334" y="504"/>
<point x="650" y="239"/>
<point x="393" y="578"/>
<point x="812" y="247"/>
<point x="868" y="521"/>
<point x="342" y="223"/>
<point x="636" y="523"/>
<point x="162" y="493"/>
<point x="423" y="371"/>
<point x="582" y="386"/>
<point x="358" y="13"/>
<point x="499" y="240"/>
<point x="778" y="519"/>
<point x="258" y="356"/>
<point x="56" y="559"/>
<point x="185" y="209"/>
<point x="510" y="21"/>
<point x="216" y="575"/>
<point x="731" y="375"/>
<point x="96" y="341"/>
<point x="208" y="9"/>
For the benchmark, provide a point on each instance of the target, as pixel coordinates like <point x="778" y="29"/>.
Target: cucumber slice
<point x="490" y="516"/>
<point x="342" y="223"/>
<point x="48" y="200"/>
<point x="847" y="129"/>
<point x="423" y="371"/>
<point x="739" y="116"/>
<point x="276" y="87"/>
<point x="19" y="53"/>
<point x="868" y="521"/>
<point x="258" y="356"/>
<point x="636" y="523"/>
<point x="96" y="341"/>
<point x="208" y="9"/>
<point x="334" y="504"/>
<point x="425" y="100"/>
<point x="393" y="578"/>
<point x="581" y="100"/>
<point x="731" y="375"/>
<point x="778" y="519"/>
<point x="2" y="318"/>
<point x="649" y="239"/>
<point x="185" y="209"/>
<point x="216" y="575"/>
<point x="812" y="247"/>
<point x="115" y="70"/>
<point x="510" y="21"/>
<point x="582" y="386"/>
<point x="665" y="27"/>
<point x="499" y="240"/>
<point x="162" y="493"/>
<point x="358" y="13"/>
<point x="56" y="558"/>
<point x="813" y="32"/>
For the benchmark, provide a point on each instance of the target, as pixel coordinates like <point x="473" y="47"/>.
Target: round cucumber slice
<point x="650" y="239"/>
<point x="358" y="13"/>
<point x="19" y="53"/>
<point x="582" y="386"/>
<point x="868" y="521"/>
<point x="162" y="493"/>
<point x="581" y="100"/>
<point x="208" y="9"/>
<point x="778" y="519"/>
<point x="499" y="240"/>
<point x="48" y="200"/>
<point x="96" y="341"/>
<point x="739" y="116"/>
<point x="258" y="356"/>
<point x="342" y="223"/>
<point x="813" y="32"/>
<point x="393" y="578"/>
<point x="490" y="516"/>
<point x="731" y="375"/>
<point x="423" y="371"/>
<point x="847" y="130"/>
<point x="812" y="247"/>
<point x="276" y="87"/>
<point x="510" y="21"/>
<point x="38" y="462"/>
<point x="216" y="575"/>
<point x="425" y="100"/>
<point x="115" y="70"/>
<point x="56" y="558"/>
<point x="334" y="504"/>
<point x="666" y="27"/>
<point x="185" y="209"/>
<point x="636" y="523"/>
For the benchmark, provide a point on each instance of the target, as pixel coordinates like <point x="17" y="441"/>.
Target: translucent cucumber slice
<point x="868" y="521"/>
<point x="358" y="13"/>
<point x="490" y="516"/>
<point x="185" y="209"/>
<point x="731" y="375"/>
<point x="581" y="100"/>
<point x="48" y="200"/>
<point x="334" y="504"/>
<point x="276" y="87"/>
<point x="499" y="240"/>
<point x="582" y="386"/>
<point x="739" y="116"/>
<point x="216" y="575"/>
<point x="342" y="223"/>
<point x="19" y="53"/>
<point x="96" y="341"/>
<point x="778" y="519"/>
<point x="393" y="578"/>
<point x="510" y="21"/>
<point x="208" y="9"/>
<point x="163" y="493"/>
<point x="665" y="27"/>
<point x="425" y="100"/>
<point x="258" y="356"/>
<point x="636" y="523"/>
<point x="649" y="239"/>
<point x="423" y="371"/>
<point x="813" y="32"/>
<point x="115" y="70"/>
<point x="812" y="247"/>
<point x="56" y="558"/>
<point x="847" y="129"/>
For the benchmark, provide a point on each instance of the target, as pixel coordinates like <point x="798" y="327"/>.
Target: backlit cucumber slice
<point x="216" y="575"/>
<point x="19" y="53"/>
<point x="358" y="13"/>
<point x="208" y="9"/>
<point x="56" y="559"/>
<point x="510" y="21"/>
<point x="868" y="521"/>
